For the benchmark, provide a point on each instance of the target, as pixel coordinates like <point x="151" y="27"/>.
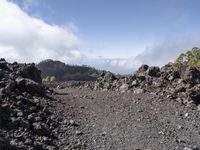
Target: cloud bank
<point x="25" y="38"/>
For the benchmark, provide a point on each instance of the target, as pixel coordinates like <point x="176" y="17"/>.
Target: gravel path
<point x="102" y="120"/>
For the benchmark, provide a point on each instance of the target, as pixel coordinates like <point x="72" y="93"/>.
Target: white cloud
<point x="25" y="38"/>
<point x="156" y="55"/>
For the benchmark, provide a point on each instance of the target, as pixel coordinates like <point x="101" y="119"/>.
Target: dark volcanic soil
<point x="108" y="120"/>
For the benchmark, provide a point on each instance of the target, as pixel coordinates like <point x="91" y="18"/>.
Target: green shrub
<point x="49" y="79"/>
<point x="190" y="58"/>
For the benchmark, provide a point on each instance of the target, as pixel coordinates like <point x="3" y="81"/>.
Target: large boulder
<point x="4" y="65"/>
<point x="30" y="86"/>
<point x="109" y="77"/>
<point x="30" y="71"/>
<point x="194" y="94"/>
<point x="192" y="75"/>
<point x="142" y="70"/>
<point x="153" y="71"/>
<point x="124" y="87"/>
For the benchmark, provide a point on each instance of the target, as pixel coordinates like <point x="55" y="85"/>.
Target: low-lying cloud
<point x="158" y="55"/>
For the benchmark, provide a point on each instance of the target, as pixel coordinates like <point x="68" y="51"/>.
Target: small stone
<point x="14" y="121"/>
<point x="5" y="106"/>
<point x="179" y="100"/>
<point x="28" y="142"/>
<point x="103" y="133"/>
<point x="66" y="148"/>
<point x="134" y="83"/>
<point x="180" y="127"/>
<point x="65" y="121"/>
<point x="168" y="96"/>
<point x="36" y="100"/>
<point x="198" y="107"/>
<point x="37" y="126"/>
<point x="138" y="91"/>
<point x="40" y="128"/>
<point x="53" y="117"/>
<point x="73" y="123"/>
<point x="188" y="148"/>
<point x="31" y="118"/>
<point x="82" y="107"/>
<point x="85" y="97"/>
<point x="186" y="115"/>
<point x="38" y="118"/>
<point x="24" y="123"/>
<point x="180" y="141"/>
<point x="45" y="138"/>
<point x="79" y="132"/>
<point x="161" y="132"/>
<point x="51" y="148"/>
<point x="20" y="114"/>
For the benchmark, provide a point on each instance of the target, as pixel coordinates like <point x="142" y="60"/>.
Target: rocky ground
<point x="175" y="81"/>
<point x="154" y="109"/>
<point x="109" y="120"/>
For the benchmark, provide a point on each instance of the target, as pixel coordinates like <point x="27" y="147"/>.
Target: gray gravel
<point x="109" y="120"/>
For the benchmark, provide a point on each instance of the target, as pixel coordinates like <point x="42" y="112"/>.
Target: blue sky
<point x="123" y="33"/>
<point x="122" y="26"/>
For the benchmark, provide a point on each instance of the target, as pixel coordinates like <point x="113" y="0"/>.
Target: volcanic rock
<point x="192" y="75"/>
<point x="109" y="77"/>
<point x="124" y="87"/>
<point x="153" y="71"/>
<point x="142" y="70"/>
<point x="22" y="119"/>
<point x="31" y="72"/>
<point x="28" y="85"/>
<point x="171" y="81"/>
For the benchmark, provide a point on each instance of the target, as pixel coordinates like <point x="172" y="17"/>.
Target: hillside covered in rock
<point x="26" y="120"/>
<point x="176" y="81"/>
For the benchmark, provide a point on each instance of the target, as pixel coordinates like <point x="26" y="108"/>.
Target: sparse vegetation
<point x="190" y="58"/>
<point x="49" y="79"/>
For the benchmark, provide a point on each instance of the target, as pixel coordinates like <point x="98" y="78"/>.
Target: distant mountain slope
<point x="64" y="72"/>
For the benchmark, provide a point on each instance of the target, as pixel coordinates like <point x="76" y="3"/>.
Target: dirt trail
<point x="126" y="121"/>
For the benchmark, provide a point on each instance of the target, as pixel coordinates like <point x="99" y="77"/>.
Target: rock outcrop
<point x="25" y="118"/>
<point x="174" y="81"/>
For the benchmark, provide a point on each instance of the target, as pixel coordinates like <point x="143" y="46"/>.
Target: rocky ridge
<point x="174" y="81"/>
<point x="65" y="72"/>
